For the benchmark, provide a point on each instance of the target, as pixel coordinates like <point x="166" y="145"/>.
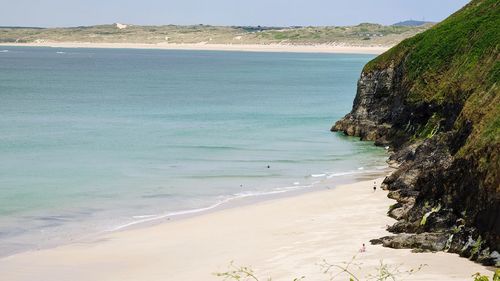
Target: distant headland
<point x="361" y="38"/>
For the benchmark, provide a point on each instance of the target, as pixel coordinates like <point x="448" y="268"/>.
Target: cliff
<point x="434" y="100"/>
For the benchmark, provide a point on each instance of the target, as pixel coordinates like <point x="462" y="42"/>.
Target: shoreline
<point x="228" y="203"/>
<point x="251" y="199"/>
<point x="273" y="236"/>
<point x="317" y="48"/>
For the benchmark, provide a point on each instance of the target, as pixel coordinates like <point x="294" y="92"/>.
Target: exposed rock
<point x="494" y="258"/>
<point x="399" y="213"/>
<point x="403" y="226"/>
<point x="447" y="187"/>
<point x="421" y="242"/>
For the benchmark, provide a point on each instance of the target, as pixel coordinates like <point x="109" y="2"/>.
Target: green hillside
<point x="362" y="34"/>
<point x="457" y="62"/>
<point x="434" y="99"/>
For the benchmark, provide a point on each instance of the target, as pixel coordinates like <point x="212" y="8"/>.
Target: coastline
<point x="317" y="48"/>
<point x="274" y="237"/>
<point x="237" y="200"/>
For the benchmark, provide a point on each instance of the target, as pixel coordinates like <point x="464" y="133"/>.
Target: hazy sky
<point x="49" y="13"/>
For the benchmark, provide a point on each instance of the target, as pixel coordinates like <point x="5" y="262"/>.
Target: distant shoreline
<point x="316" y="48"/>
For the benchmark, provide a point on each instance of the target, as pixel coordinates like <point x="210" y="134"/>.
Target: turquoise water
<point x="96" y="139"/>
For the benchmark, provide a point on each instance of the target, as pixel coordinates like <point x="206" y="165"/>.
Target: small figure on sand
<point x="363" y="248"/>
<point x="374" y="186"/>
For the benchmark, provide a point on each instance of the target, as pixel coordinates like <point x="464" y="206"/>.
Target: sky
<point x="59" y="13"/>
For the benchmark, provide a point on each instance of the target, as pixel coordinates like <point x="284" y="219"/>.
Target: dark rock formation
<point x="444" y="142"/>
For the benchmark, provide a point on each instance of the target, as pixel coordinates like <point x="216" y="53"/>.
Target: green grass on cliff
<point x="458" y="62"/>
<point x="450" y="59"/>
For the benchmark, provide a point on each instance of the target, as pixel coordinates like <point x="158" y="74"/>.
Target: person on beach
<point x="363" y="248"/>
<point x="374" y="186"/>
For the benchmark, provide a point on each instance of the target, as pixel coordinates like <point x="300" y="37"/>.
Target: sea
<point x="100" y="140"/>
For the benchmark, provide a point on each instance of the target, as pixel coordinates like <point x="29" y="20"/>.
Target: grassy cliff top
<point x="454" y="57"/>
<point x="362" y="34"/>
<point x="458" y="62"/>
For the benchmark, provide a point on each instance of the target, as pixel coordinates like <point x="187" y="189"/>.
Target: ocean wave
<point x="340" y="174"/>
<point x="221" y="148"/>
<point x="164" y="216"/>
<point x="151" y="218"/>
<point x="214" y="147"/>
<point x="141" y="219"/>
<point x="4" y="51"/>
<point x="161" y="195"/>
<point x="266" y="161"/>
<point x="242" y="176"/>
<point x="270" y="192"/>
<point x="143" y="216"/>
<point x="359" y="171"/>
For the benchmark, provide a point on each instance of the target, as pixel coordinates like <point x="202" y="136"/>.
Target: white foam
<point x="143" y="216"/>
<point x="150" y="218"/>
<point x="296" y="186"/>
<point x="4" y="51"/>
<point x="60" y="52"/>
<point x="163" y="216"/>
<point x="332" y="175"/>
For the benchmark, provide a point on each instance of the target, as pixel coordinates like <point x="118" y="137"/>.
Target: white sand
<point x="282" y="238"/>
<point x="321" y="48"/>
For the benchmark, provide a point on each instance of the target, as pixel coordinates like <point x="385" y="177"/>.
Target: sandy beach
<point x="280" y="238"/>
<point x="324" y="48"/>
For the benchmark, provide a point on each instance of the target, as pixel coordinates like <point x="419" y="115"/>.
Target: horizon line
<point x="214" y="25"/>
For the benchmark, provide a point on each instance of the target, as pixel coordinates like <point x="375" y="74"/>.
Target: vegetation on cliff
<point x="435" y="99"/>
<point x="457" y="62"/>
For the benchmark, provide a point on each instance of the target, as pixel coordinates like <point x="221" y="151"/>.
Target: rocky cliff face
<point x="439" y="111"/>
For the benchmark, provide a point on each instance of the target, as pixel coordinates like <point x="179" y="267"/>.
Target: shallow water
<point x="97" y="139"/>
